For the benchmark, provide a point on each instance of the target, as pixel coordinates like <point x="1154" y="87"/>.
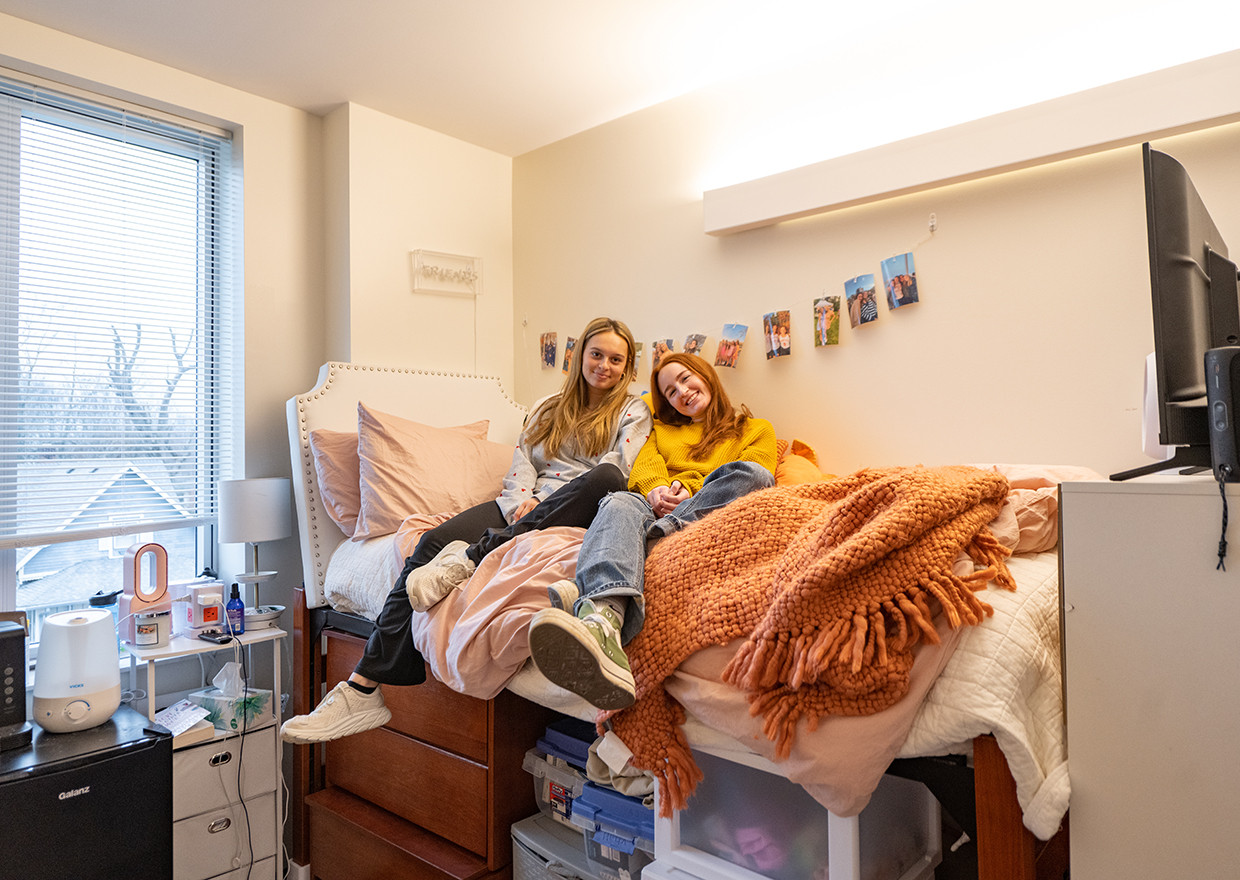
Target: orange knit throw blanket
<point x="831" y="585"/>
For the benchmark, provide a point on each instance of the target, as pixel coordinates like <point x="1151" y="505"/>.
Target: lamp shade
<point x="255" y="510"/>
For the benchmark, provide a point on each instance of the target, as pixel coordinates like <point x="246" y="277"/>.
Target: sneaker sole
<point x="578" y="666"/>
<point x="358" y="722"/>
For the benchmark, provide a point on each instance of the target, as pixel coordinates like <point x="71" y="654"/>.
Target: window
<point x="115" y="273"/>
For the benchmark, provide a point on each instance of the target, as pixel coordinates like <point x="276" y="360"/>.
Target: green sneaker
<point x="582" y="654"/>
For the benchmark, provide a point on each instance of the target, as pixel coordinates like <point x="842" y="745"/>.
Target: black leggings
<point x="390" y="657"/>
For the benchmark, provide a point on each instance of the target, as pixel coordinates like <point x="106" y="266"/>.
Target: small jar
<point x="152" y="629"/>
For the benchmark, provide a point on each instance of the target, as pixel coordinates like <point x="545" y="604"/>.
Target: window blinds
<point x="116" y="233"/>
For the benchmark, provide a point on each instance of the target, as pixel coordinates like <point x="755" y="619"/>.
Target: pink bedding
<point x="475" y="642"/>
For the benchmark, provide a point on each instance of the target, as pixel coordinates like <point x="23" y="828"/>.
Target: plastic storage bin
<point x="569" y="740"/>
<point x="546" y="850"/>
<point x="745" y="823"/>
<point x="558" y="765"/>
<point x="555" y="786"/>
<point x="618" y="831"/>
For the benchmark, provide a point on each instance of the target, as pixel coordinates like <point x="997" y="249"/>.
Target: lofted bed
<point x="433" y="793"/>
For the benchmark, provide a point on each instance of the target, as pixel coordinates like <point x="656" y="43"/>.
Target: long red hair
<point x="721" y="421"/>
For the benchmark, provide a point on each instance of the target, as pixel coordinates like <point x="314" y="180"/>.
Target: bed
<point x="433" y="793"/>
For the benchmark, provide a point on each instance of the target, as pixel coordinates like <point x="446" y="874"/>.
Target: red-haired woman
<point x="702" y="454"/>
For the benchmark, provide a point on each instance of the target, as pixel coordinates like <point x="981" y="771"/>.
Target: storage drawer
<point x="264" y="870"/>
<point x="442" y="792"/>
<point x="353" y="840"/>
<point x="432" y="712"/>
<point x="216" y="841"/>
<point x="206" y="774"/>
<point x="744" y="823"/>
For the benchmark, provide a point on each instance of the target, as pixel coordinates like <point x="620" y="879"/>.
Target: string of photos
<point x="859" y="302"/>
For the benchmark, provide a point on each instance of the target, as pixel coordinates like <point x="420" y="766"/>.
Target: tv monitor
<point x="1193" y="291"/>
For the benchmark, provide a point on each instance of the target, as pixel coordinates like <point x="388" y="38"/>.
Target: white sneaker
<point x="563" y="594"/>
<point x="448" y="570"/>
<point x="343" y="712"/>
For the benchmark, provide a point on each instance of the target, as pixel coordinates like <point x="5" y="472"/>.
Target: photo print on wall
<point x="900" y="281"/>
<point x="548" y="343"/>
<point x="569" y="344"/>
<point x="862" y="305"/>
<point x="694" y="343"/>
<point x="660" y="348"/>
<point x="777" y="327"/>
<point x="826" y="321"/>
<point x="730" y="342"/>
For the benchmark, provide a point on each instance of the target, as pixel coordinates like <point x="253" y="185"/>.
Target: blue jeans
<point x="612" y="561"/>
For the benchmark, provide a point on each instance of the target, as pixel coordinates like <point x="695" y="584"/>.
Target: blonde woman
<point x="577" y="447"/>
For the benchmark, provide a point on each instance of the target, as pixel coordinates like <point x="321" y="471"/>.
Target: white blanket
<point x="1005" y="679"/>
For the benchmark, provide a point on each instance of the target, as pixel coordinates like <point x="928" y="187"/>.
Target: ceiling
<point x="515" y="75"/>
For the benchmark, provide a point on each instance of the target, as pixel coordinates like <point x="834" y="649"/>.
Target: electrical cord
<point x="239" y="656"/>
<point x="1222" y="472"/>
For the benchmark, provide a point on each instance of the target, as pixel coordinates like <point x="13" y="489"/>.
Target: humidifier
<point x="77" y="680"/>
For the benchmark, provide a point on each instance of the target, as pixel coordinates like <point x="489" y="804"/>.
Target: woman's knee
<point x="749" y="471"/>
<point x="623" y="505"/>
<point x="606" y="478"/>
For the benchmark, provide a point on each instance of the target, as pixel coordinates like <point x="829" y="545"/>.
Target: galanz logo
<point x="73" y="792"/>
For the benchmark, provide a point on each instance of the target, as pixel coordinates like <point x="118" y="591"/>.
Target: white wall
<point x="331" y="211"/>
<point x="410" y="188"/>
<point x="1027" y="344"/>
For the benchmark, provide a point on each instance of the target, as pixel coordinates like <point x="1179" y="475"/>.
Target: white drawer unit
<point x="746" y="823"/>
<point x="205" y="776"/>
<point x="263" y="870"/>
<point x="226" y="808"/>
<point x="219" y="841"/>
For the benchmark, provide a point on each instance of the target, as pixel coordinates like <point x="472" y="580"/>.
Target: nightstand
<point x="225" y="791"/>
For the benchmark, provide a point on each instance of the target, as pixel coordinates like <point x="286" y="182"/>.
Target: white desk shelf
<point x="218" y="812"/>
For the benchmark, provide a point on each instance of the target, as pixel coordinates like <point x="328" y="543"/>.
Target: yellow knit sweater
<point x="665" y="455"/>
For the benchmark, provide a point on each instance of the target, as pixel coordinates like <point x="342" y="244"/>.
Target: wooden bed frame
<point x="432" y="794"/>
<point x="1006" y="850"/>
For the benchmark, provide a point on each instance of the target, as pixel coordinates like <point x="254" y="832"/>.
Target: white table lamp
<point x="253" y="511"/>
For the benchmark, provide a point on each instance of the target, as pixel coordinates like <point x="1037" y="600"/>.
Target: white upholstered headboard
<point x="433" y="398"/>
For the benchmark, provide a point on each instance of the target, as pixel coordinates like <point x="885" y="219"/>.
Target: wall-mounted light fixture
<point x="450" y="274"/>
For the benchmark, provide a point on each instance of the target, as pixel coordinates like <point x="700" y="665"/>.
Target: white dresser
<point x="224" y="820"/>
<point x="1152" y="678"/>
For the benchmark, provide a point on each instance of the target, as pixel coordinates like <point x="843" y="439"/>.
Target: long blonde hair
<point x="567" y="417"/>
<point x="720" y="422"/>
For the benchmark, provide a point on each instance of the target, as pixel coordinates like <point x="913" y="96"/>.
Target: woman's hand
<point x="523" y="508"/>
<point x="663" y="499"/>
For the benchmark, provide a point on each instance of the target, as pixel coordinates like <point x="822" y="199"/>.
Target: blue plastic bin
<point x="568" y="739"/>
<point x="618" y="830"/>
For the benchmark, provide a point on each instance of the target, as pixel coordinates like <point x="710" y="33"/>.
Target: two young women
<point x="578" y="446"/>
<point x="702" y="454"/>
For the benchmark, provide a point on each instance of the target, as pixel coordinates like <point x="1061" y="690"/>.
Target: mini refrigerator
<point x="91" y="804"/>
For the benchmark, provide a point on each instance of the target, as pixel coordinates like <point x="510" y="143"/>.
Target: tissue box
<point x="230" y="713"/>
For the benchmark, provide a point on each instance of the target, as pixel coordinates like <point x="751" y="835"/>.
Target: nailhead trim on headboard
<point x="316" y="519"/>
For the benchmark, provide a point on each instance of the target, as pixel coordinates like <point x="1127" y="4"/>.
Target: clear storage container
<point x="745" y="823"/>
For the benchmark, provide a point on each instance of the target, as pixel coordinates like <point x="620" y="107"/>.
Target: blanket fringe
<point x="870" y="633"/>
<point x="780" y="716"/>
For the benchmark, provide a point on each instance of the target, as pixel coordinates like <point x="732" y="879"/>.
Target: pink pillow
<point x="335" y="464"/>
<point x="337" y="468"/>
<point x="405" y="467"/>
